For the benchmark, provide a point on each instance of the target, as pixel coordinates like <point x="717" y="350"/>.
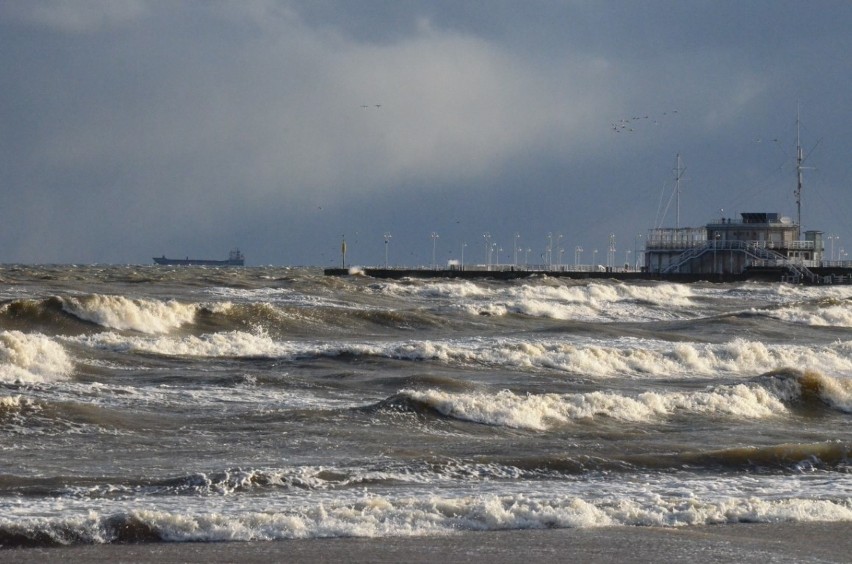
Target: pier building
<point x="727" y="246"/>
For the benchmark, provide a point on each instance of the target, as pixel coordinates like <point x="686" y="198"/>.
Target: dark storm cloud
<point x="142" y="127"/>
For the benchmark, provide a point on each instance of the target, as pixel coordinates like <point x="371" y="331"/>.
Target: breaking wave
<point x="118" y="312"/>
<point x="545" y="411"/>
<point x="587" y="358"/>
<point x="592" y="301"/>
<point x="827" y="312"/>
<point x="540" y="412"/>
<point x="29" y="358"/>
<point x="378" y="516"/>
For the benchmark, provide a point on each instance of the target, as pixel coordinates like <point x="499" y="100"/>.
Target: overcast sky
<point x="135" y="128"/>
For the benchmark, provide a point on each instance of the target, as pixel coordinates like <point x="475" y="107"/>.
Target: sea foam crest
<point x="593" y="301"/>
<point x="832" y="315"/>
<point x="32" y="357"/>
<point x="119" y="312"/>
<point x="226" y="344"/>
<point x="543" y="411"/>
<point x="611" y="358"/>
<point x="599" y="301"/>
<point x="432" y="289"/>
<point x="588" y="358"/>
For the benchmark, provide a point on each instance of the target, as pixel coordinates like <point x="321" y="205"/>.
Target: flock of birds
<point x="629" y="125"/>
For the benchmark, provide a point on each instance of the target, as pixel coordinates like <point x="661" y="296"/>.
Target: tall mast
<point x="678" y="173"/>
<point x="799" y="168"/>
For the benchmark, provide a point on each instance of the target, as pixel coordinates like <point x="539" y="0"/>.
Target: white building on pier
<point x="730" y="247"/>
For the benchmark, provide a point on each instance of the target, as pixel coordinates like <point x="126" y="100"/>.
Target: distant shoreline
<point x="781" y="542"/>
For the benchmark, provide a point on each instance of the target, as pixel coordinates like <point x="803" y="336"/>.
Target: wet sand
<point x="788" y="542"/>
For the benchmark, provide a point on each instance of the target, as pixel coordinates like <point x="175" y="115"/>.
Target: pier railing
<point x="663" y="245"/>
<point x="535" y="268"/>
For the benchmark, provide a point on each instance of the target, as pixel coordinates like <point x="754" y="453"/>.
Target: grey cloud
<point x="204" y="125"/>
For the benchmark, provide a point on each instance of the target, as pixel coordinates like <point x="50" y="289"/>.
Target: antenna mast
<point x="678" y="174"/>
<point x="799" y="168"/>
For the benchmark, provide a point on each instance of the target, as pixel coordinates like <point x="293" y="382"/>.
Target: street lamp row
<point x="491" y="247"/>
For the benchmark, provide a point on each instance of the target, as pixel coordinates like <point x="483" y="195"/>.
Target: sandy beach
<point x="789" y="542"/>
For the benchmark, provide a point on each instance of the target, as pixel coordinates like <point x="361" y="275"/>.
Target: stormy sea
<point x="144" y="404"/>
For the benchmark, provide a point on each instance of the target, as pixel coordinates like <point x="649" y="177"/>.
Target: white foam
<point x="13" y="403"/>
<point x="118" y="312"/>
<point x="591" y="301"/>
<point x="432" y="289"/>
<point x="375" y="516"/>
<point x="601" y="302"/>
<point x="623" y="356"/>
<point x="226" y="344"/>
<point x="32" y="357"/>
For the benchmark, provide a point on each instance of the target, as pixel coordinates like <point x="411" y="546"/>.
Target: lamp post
<point x="495" y="247"/>
<point x="434" y="246"/>
<point x="387" y="240"/>
<point x="463" y="245"/>
<point x="627" y="260"/>
<point x="487" y="237"/>
<point x="636" y="247"/>
<point x="594" y="258"/>
<point x="578" y="252"/>
<point x="558" y="239"/>
<point x="559" y="264"/>
<point x="549" y="249"/>
<point x="527" y="257"/>
<point x="515" y="249"/>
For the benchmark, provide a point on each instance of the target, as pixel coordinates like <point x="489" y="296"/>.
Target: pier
<point x="822" y="275"/>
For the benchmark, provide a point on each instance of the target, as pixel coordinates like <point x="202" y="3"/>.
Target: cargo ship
<point x="235" y="258"/>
